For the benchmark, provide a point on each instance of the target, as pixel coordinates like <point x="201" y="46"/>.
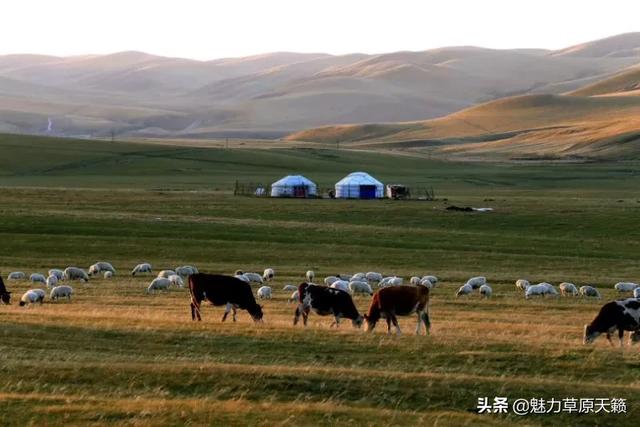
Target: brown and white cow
<point x="399" y="301"/>
<point x="623" y="315"/>
<point x="5" y="296"/>
<point x="326" y="301"/>
<point x="222" y="290"/>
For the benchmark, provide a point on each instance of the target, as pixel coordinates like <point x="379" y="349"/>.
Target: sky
<point x="209" y="29"/>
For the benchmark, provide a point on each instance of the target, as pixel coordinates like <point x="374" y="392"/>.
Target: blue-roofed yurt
<point x="359" y="185"/>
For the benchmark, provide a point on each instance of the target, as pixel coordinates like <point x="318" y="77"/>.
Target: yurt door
<point x="300" y="191"/>
<point x="367" y="191"/>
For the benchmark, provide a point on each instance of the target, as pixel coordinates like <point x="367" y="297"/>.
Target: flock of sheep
<point x="359" y="283"/>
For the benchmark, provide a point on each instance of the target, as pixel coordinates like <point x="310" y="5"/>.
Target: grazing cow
<point x="623" y="315"/>
<point x="5" y="296"/>
<point x="222" y="290"/>
<point x="325" y="301"/>
<point x="399" y="301"/>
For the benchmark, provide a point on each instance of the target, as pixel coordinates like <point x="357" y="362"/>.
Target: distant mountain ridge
<point x="271" y="95"/>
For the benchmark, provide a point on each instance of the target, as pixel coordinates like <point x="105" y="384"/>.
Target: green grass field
<point x="116" y="355"/>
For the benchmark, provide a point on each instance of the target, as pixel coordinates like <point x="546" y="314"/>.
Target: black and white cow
<point x="326" y="301"/>
<point x="222" y="290"/>
<point x="623" y="315"/>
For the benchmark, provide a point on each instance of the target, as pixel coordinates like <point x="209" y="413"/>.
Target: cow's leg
<point x="193" y="312"/>
<point x="235" y="312"/>
<point x="609" y="339"/>
<point x="419" y="326"/>
<point x="620" y="335"/>
<point x="336" y="322"/>
<point x="388" y="318"/>
<point x="394" y="319"/>
<point x="305" y="315"/>
<point x="227" y="309"/>
<point x="427" y="322"/>
<point x="296" y="316"/>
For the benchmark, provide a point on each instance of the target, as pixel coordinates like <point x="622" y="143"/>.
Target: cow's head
<point x="256" y="313"/>
<point x="6" y="298"/>
<point x="371" y="323"/>
<point x="634" y="337"/>
<point x="589" y="334"/>
<point x="357" y="322"/>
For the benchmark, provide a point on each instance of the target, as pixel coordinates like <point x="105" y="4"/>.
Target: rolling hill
<point x="272" y="95"/>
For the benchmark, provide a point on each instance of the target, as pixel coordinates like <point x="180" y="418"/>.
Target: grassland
<point x="118" y="356"/>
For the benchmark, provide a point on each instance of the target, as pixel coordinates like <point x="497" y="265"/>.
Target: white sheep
<point x="52" y="281"/>
<point x="290" y="288"/>
<point x="343" y="285"/>
<point x="75" y="273"/>
<point x="360" y="287"/>
<point x="166" y="273"/>
<point x="144" y="267"/>
<point x="107" y="275"/>
<point x="100" y="267"/>
<point x="359" y="276"/>
<point x="294" y="297"/>
<point x="390" y="281"/>
<point x="432" y="279"/>
<point x="539" y="289"/>
<point x="37" y="277"/>
<point x="242" y="277"/>
<point x="625" y="286"/>
<point x="32" y="296"/>
<point x="522" y="284"/>
<point x="310" y="275"/>
<point x="372" y="276"/>
<point x="186" y="270"/>
<point x="56" y="272"/>
<point x="567" y="288"/>
<point x="426" y="282"/>
<point x="159" y="283"/>
<point x="486" y="291"/>
<point x="415" y="280"/>
<point x="264" y="292"/>
<point x="63" y="291"/>
<point x="268" y="274"/>
<point x="476" y="282"/>
<point x="465" y="289"/>
<point x="254" y="278"/>
<point x="636" y="293"/>
<point x="330" y="279"/>
<point x="16" y="275"/>
<point x="176" y="280"/>
<point x="589" y="291"/>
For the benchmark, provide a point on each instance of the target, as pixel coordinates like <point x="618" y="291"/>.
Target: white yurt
<point x="294" y="186"/>
<point x="359" y="185"/>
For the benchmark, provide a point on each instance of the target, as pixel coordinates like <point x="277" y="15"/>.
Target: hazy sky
<point x="207" y="29"/>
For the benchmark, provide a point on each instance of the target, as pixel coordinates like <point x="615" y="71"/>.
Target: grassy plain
<point x="117" y="355"/>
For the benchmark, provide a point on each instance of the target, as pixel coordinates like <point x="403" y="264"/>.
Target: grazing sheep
<point x="290" y="288"/>
<point x="264" y="292"/>
<point x="360" y="287"/>
<point x="330" y="279"/>
<point x="52" y="281"/>
<point x="242" y="277"/>
<point x="159" y="283"/>
<point x="37" y="277"/>
<point x="75" y="273"/>
<point x="415" y="280"/>
<point x="176" y="280"/>
<point x="58" y="273"/>
<point x="16" y="275"/>
<point x="568" y="289"/>
<point x="372" y="276"/>
<point x="465" y="289"/>
<point x="145" y="267"/>
<point x="345" y="276"/>
<point x="310" y="276"/>
<point x="63" y="291"/>
<point x="589" y="291"/>
<point x="540" y="289"/>
<point x="359" y="276"/>
<point x="254" y="278"/>
<point x="166" y="273"/>
<point x="343" y="285"/>
<point x="294" y="297"/>
<point x="100" y="267"/>
<point x="186" y="270"/>
<point x="432" y="279"/>
<point x="107" y="275"/>
<point x="636" y="293"/>
<point x="476" y="282"/>
<point x="486" y="291"/>
<point x="268" y="274"/>
<point x="426" y="282"/>
<point x="522" y="284"/>
<point x="390" y="281"/>
<point x="32" y="296"/>
<point x="625" y="286"/>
